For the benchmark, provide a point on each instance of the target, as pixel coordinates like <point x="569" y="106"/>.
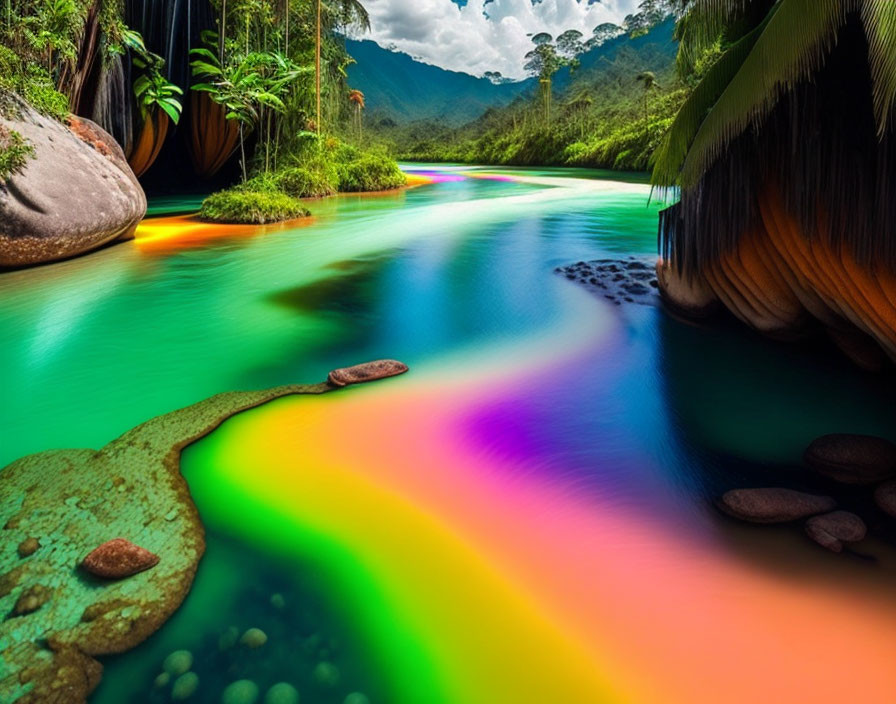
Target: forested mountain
<point x="608" y="112"/>
<point x="399" y="88"/>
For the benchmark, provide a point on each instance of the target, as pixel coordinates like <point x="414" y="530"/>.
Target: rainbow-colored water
<point x="525" y="517"/>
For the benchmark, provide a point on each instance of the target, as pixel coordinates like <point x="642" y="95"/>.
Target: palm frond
<point x="879" y="19"/>
<point x="792" y="46"/>
<point x="673" y="150"/>
<point x="701" y="25"/>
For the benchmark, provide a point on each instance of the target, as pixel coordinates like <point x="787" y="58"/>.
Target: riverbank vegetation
<point x="603" y="101"/>
<point x="259" y="83"/>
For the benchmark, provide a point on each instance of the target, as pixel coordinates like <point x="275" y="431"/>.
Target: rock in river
<point x="831" y="530"/>
<point x="119" y="558"/>
<point x="369" y="371"/>
<point x="885" y="498"/>
<point x="773" y="505"/>
<point x="75" y="194"/>
<point x="852" y="459"/>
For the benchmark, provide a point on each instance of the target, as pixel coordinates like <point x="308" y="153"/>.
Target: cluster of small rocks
<point x="179" y="679"/>
<point x="846" y="459"/>
<point x="629" y="280"/>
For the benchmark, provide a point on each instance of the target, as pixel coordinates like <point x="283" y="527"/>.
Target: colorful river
<point x="525" y="517"/>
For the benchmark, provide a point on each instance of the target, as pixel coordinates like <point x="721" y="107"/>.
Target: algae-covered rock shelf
<point x="60" y="505"/>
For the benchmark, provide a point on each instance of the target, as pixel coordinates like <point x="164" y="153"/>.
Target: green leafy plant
<point x="152" y="89"/>
<point x="251" y="207"/>
<point x="14" y="152"/>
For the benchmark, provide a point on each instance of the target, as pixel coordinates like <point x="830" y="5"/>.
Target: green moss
<point x="32" y="83"/>
<point x="14" y="152"/>
<point x="370" y="172"/>
<point x="302" y="182"/>
<point x="251" y="207"/>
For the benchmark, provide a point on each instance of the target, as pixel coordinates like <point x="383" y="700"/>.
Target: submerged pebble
<point x="282" y="693"/>
<point x="254" y="638"/>
<point x="185" y="686"/>
<point x="326" y="674"/>
<point x="356" y="698"/>
<point x="240" y="692"/>
<point x="178" y="662"/>
<point x="163" y="679"/>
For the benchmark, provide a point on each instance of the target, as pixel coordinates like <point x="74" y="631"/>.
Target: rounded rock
<point x="178" y="662"/>
<point x="885" y="498"/>
<point x="831" y="530"/>
<point x="369" y="371"/>
<point x="773" y="505"/>
<point x="162" y="680"/>
<point x="356" y="698"/>
<point x="119" y="558"/>
<point x="254" y="638"/>
<point x="852" y="459"/>
<point x="28" y="547"/>
<point x="277" y="601"/>
<point x="240" y="692"/>
<point x="44" y="218"/>
<point x="185" y="686"/>
<point x="326" y="674"/>
<point x="282" y="693"/>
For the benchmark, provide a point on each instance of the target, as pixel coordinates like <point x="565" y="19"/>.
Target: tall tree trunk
<point x="317" y="68"/>
<point x="221" y="31"/>
<point x="286" y="28"/>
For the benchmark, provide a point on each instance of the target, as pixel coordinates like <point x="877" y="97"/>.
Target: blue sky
<point x="482" y="35"/>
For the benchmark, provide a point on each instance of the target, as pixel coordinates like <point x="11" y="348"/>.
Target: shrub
<point x="14" y="152"/>
<point x="250" y="207"/>
<point x="302" y="182"/>
<point x="31" y="83"/>
<point x="370" y="172"/>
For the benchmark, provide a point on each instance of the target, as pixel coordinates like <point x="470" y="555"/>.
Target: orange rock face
<point x="119" y="558"/>
<point x="779" y="279"/>
<point x="369" y="371"/>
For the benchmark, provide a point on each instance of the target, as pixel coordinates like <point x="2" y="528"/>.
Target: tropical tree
<point x="343" y="14"/>
<point x="569" y="44"/>
<point x="648" y="80"/>
<point x="543" y="61"/>
<point x="801" y="99"/>
<point x="250" y="88"/>
<point x="356" y="97"/>
<point x="604" y="32"/>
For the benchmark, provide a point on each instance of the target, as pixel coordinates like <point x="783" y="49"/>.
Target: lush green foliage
<point x="603" y="118"/>
<point x="239" y="206"/>
<point x="14" y="152"/>
<point x="370" y="171"/>
<point x="32" y="83"/>
<point x="769" y="49"/>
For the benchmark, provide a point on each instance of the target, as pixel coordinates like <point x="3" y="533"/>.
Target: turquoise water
<point x="93" y="346"/>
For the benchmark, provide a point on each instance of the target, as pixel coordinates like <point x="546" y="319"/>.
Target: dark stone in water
<point x="773" y="505"/>
<point x="831" y="530"/>
<point x="852" y="459"/>
<point x="616" y="279"/>
<point x="369" y="371"/>
<point x="885" y="498"/>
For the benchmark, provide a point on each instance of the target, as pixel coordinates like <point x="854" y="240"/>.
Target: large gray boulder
<point x="74" y="195"/>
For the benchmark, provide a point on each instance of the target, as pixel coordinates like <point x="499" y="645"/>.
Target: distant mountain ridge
<point x="399" y="88"/>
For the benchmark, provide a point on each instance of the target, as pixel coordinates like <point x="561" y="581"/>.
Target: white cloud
<point x="482" y="37"/>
